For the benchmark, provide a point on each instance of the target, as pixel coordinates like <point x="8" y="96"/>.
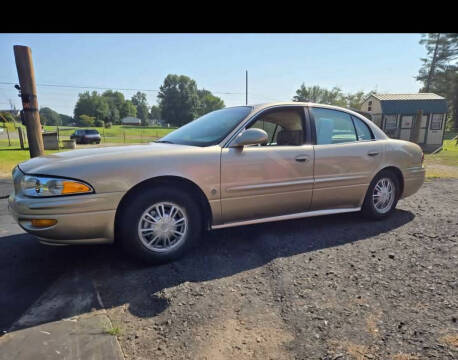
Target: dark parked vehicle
<point x="86" y="136"/>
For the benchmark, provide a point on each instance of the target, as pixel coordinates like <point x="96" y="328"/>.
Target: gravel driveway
<point x="333" y="287"/>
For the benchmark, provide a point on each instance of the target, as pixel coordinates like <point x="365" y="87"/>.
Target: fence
<point x="116" y="135"/>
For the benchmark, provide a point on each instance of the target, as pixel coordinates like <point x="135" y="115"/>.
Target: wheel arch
<point x="170" y="181"/>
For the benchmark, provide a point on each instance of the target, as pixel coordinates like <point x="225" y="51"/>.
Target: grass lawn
<point x="11" y="156"/>
<point x="444" y="164"/>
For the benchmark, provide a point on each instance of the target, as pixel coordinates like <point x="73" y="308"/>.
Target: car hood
<point x="68" y="162"/>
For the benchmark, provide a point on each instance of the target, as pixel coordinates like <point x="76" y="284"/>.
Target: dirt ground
<point x="335" y="287"/>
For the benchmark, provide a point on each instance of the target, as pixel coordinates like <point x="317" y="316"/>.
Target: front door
<point x="273" y="179"/>
<point x="346" y="158"/>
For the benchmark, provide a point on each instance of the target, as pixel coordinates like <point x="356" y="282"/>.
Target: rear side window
<point x="333" y="127"/>
<point x="363" y="131"/>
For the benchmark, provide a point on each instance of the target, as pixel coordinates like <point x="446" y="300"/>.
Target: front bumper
<point x="80" y="218"/>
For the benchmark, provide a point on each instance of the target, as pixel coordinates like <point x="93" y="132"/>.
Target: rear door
<point x="346" y="158"/>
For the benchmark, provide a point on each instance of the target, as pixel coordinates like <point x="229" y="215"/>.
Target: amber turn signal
<point x="41" y="223"/>
<point x="72" y="187"/>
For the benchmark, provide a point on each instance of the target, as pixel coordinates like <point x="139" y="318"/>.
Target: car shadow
<point x="29" y="269"/>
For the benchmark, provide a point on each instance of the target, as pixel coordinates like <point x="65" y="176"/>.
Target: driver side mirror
<point x="251" y="136"/>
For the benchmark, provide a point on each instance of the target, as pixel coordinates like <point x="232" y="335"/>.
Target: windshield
<point x="91" y="132"/>
<point x="209" y="129"/>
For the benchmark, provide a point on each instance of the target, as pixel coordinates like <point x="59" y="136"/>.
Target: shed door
<point x="436" y="129"/>
<point x="423" y="126"/>
<point x="406" y="127"/>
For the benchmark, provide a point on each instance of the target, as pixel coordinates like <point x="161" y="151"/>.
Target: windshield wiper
<point x="164" y="141"/>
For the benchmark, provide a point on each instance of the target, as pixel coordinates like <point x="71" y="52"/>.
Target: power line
<point x="112" y="88"/>
<point x="256" y="95"/>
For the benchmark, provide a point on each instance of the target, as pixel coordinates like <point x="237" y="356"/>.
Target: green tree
<point x="128" y="109"/>
<point x="320" y="95"/>
<point x="354" y="101"/>
<point x="92" y="104"/>
<point x="155" y="113"/>
<point x="335" y="96"/>
<point x="139" y="100"/>
<point x="66" y="120"/>
<point x="115" y="100"/>
<point x="85" y="120"/>
<point x="49" y="117"/>
<point x="208" y="102"/>
<point x="439" y="72"/>
<point x="178" y="99"/>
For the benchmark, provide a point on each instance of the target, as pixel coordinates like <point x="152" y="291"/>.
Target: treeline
<point x="335" y="96"/>
<point x="179" y="102"/>
<point x="439" y="72"/>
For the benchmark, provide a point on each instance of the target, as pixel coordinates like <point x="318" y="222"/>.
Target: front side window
<point x="362" y="130"/>
<point x="283" y="127"/>
<point x="209" y="129"/>
<point x="333" y="127"/>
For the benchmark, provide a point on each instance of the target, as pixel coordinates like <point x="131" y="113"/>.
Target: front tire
<point x="382" y="196"/>
<point x="160" y="224"/>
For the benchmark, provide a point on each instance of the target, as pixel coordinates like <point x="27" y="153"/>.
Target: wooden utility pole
<point x="26" y="74"/>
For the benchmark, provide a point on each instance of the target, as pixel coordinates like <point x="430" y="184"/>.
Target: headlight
<point x="38" y="186"/>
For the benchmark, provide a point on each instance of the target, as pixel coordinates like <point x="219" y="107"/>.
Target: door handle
<point x="301" y="158"/>
<point x="372" y="153"/>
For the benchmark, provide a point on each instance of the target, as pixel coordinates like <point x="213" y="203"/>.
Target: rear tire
<point x="159" y="225"/>
<point x="382" y="196"/>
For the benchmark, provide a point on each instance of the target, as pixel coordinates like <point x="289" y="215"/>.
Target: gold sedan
<point x="236" y="166"/>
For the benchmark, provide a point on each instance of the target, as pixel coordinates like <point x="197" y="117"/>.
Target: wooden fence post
<point x="8" y="134"/>
<point x="21" y="137"/>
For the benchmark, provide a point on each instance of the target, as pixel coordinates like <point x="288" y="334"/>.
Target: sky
<point x="277" y="64"/>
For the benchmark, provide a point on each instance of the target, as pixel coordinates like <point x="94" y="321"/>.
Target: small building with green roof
<point x="397" y="115"/>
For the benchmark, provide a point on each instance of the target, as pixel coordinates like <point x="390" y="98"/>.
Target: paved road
<point x="309" y="288"/>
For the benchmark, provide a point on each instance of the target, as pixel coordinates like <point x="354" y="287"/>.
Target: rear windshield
<point x="92" y="132"/>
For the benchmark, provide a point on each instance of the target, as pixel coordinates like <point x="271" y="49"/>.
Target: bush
<point x="99" y="123"/>
<point x="86" y="120"/>
<point x="108" y="124"/>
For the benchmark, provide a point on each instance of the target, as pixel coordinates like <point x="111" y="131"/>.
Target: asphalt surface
<point x="333" y="287"/>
